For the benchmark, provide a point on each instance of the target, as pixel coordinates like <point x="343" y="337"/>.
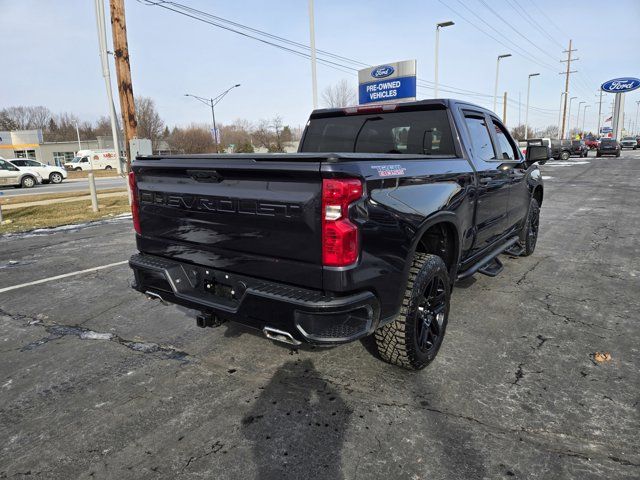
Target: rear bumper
<point x="307" y="315"/>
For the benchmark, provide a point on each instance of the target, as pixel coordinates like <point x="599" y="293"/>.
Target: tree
<point x="150" y="125"/>
<point x="550" y="131"/>
<point x="340" y="95"/>
<point x="244" y="147"/>
<point x="238" y="133"/>
<point x="518" y="132"/>
<point x="193" y="139"/>
<point x="27" y="118"/>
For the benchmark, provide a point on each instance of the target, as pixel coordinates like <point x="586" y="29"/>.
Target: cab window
<point x="480" y="137"/>
<point x="506" y="149"/>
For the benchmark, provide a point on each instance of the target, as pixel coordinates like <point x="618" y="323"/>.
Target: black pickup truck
<point x="363" y="233"/>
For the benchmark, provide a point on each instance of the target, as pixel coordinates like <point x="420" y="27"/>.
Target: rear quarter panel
<point x="404" y="196"/>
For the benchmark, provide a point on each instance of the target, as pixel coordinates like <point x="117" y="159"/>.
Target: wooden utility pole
<point x="123" y="74"/>
<point x="504" y="109"/>
<point x="566" y="84"/>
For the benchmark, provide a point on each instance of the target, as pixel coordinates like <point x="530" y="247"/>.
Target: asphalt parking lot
<point x="98" y="382"/>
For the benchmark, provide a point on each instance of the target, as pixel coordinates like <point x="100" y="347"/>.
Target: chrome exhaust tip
<point x="155" y="296"/>
<point x="280" y="336"/>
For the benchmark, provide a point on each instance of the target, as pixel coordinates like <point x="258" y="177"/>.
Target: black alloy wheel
<point x="430" y="315"/>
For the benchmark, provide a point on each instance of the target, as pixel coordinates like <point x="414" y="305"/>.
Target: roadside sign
<point x="621" y="85"/>
<point x="388" y="83"/>
<point x="606" y="129"/>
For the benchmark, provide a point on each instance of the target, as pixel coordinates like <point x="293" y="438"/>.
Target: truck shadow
<point x="297" y="425"/>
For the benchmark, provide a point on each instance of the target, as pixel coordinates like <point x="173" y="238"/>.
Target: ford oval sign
<point x="382" y="72"/>
<point x="621" y="85"/>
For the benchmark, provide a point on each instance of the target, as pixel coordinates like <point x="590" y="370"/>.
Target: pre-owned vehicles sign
<point x="621" y="85"/>
<point x="388" y="83"/>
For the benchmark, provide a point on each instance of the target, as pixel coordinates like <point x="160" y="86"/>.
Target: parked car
<point x="638" y="142"/>
<point x="49" y="173"/>
<point x="579" y="148"/>
<point x="592" y="143"/>
<point x="628" y="142"/>
<point x="560" y="149"/>
<point x="608" y="146"/>
<point x="326" y="247"/>
<point x="10" y="175"/>
<point x="93" y="160"/>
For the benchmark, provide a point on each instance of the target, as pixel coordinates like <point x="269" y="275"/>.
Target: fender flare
<point x="439" y="217"/>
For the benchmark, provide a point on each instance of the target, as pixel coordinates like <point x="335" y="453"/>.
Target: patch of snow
<point x="89" y="335"/>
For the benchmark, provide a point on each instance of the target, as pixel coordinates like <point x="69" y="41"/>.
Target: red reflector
<point x="340" y="243"/>
<point x="135" y="214"/>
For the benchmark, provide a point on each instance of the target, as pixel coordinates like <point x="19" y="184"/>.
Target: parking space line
<point x="58" y="277"/>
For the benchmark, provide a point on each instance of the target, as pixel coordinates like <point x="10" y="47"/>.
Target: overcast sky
<point x="50" y="53"/>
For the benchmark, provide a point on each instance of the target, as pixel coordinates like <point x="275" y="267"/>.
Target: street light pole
<point x="435" y="80"/>
<point x="312" y="45"/>
<point x="637" y="109"/>
<point x="569" y="117"/>
<point x="599" y="113"/>
<point x="578" y="118"/>
<point x="495" y="90"/>
<point x="584" y="115"/>
<point x="212" y="102"/>
<point x="526" y="112"/>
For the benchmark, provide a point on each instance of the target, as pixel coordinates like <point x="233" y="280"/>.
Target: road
<point x="79" y="185"/>
<point x="98" y="382"/>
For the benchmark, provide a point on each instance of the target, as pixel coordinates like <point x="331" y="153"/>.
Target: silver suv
<point x="11" y="175"/>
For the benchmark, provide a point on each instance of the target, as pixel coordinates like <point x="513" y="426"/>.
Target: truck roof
<point x="394" y="107"/>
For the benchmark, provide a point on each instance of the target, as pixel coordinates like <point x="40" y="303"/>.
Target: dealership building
<point x="30" y="144"/>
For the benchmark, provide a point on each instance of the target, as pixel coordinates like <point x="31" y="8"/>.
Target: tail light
<point x="340" y="242"/>
<point x="135" y="214"/>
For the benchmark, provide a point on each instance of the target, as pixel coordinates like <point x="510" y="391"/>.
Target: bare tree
<point x="340" y="95"/>
<point x="238" y="133"/>
<point x="193" y="139"/>
<point x="550" y="132"/>
<point x="150" y="125"/>
<point x="27" y="118"/>
<point x="518" y="132"/>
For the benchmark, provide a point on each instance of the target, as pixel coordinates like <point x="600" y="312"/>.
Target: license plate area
<point x="223" y="286"/>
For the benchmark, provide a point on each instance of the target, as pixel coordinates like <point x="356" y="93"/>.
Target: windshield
<point x="76" y="159"/>
<point x="425" y="132"/>
<point x="628" y="138"/>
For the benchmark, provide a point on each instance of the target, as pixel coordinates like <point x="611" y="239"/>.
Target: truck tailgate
<point x="244" y="215"/>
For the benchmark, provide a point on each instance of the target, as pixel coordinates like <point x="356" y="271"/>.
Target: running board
<point x="493" y="268"/>
<point x="487" y="259"/>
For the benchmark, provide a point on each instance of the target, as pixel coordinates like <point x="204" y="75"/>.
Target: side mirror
<point x="537" y="153"/>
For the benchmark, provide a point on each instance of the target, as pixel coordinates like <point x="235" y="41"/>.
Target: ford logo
<point x="620" y="85"/>
<point x="382" y="72"/>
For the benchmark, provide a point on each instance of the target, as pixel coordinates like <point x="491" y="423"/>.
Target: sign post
<point x="619" y="86"/>
<point x="388" y="83"/>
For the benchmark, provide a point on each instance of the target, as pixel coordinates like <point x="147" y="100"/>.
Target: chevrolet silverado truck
<point x="362" y="234"/>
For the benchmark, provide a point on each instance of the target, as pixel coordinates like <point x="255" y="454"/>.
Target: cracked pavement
<point x="98" y="382"/>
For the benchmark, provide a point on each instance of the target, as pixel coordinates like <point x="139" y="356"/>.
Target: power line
<point x="534" y="22"/>
<point x="508" y="24"/>
<point x="295" y="47"/>
<point x="513" y="47"/>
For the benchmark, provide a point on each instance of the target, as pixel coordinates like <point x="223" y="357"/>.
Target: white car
<point x="10" y="175"/>
<point x="49" y="173"/>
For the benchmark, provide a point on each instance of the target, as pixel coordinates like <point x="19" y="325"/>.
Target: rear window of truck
<point x="421" y="132"/>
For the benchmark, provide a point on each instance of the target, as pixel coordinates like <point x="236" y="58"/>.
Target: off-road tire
<point x="397" y="341"/>
<point x="529" y="234"/>
<point x="564" y="155"/>
<point x="598" y="155"/>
